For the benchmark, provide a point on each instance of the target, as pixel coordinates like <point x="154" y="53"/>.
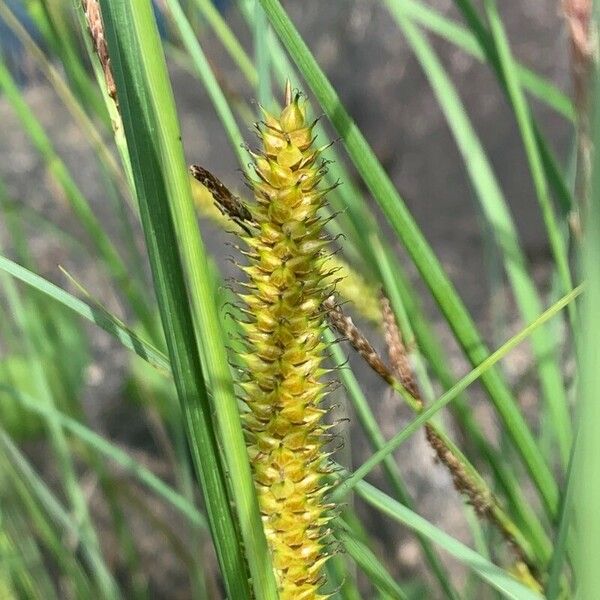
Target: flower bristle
<point x="284" y="388"/>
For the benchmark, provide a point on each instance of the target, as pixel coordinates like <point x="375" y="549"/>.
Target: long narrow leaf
<point x="95" y="314"/>
<point x="455" y="33"/>
<point x="154" y="195"/>
<point x="373" y="433"/>
<point x="369" y="563"/>
<point x="182" y="278"/>
<point x="496" y="577"/>
<point x="586" y="494"/>
<point x="534" y="158"/>
<point x="79" y="203"/>
<point x="114" y="453"/>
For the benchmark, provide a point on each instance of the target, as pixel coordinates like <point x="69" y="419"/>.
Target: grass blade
<point x="180" y="271"/>
<point x="95" y="314"/>
<point x="112" y="452"/>
<point x="491" y="55"/>
<point x="104" y="246"/>
<point x="171" y="290"/>
<point x="498" y="215"/>
<point x="261" y="33"/>
<point x="53" y="18"/>
<point x="369" y="563"/>
<point x="496" y="577"/>
<point x="555" y="568"/>
<point x="206" y="75"/>
<point x="62" y="89"/>
<point x="402" y="300"/>
<point x="29" y="327"/>
<point x="586" y="481"/>
<point x="455" y="33"/>
<point x="526" y="128"/>
<point x="373" y="433"/>
<point x="49" y="519"/>
<point x="228" y="39"/>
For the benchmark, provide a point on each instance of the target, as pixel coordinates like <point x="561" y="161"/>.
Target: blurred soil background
<point x="381" y="84"/>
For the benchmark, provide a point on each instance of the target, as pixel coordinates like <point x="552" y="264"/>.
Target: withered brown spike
<point x="578" y="14"/>
<point x="226" y="202"/>
<point x="344" y="325"/>
<point x="480" y="498"/>
<point x="584" y="54"/>
<point x="93" y="17"/>
<point x="481" y="502"/>
<point x="397" y="350"/>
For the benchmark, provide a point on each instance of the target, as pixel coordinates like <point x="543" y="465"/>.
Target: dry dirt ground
<point x="383" y="87"/>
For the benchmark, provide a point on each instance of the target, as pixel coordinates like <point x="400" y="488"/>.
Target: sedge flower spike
<point x="283" y="389"/>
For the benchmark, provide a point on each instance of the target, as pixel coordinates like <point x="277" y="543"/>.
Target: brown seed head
<point x="93" y="17"/>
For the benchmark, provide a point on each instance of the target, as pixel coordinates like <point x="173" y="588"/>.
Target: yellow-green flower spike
<point x="283" y="389"/>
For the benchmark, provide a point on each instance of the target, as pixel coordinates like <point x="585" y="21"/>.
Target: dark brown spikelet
<point x="344" y="325"/>
<point x="93" y="17"/>
<point x="481" y="500"/>
<point x="476" y="493"/>
<point x="397" y="351"/>
<point x="226" y="202"/>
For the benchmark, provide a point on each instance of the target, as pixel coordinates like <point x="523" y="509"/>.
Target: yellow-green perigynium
<point x="283" y="389"/>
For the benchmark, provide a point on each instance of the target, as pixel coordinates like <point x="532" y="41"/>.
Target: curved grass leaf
<point x="228" y="39"/>
<point x="556" y="565"/>
<point x="586" y="493"/>
<point x="489" y="48"/>
<point x="20" y="556"/>
<point x="79" y="203"/>
<point x="96" y="314"/>
<point x="64" y="92"/>
<point x="528" y="134"/>
<point x="129" y="464"/>
<point x="29" y="324"/>
<point x="402" y="298"/>
<point x="206" y="75"/>
<point x="373" y="433"/>
<point x="48" y="515"/>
